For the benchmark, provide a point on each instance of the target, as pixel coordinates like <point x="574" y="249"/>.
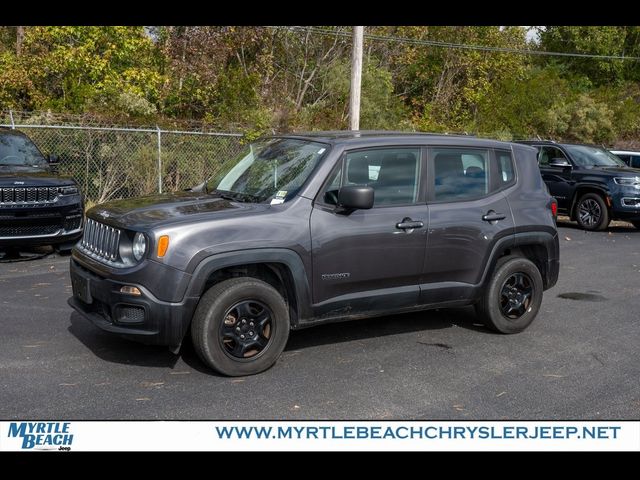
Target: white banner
<point x="319" y="435"/>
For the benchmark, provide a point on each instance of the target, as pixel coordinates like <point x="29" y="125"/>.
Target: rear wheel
<point x="513" y="296"/>
<point x="240" y="327"/>
<point x="592" y="213"/>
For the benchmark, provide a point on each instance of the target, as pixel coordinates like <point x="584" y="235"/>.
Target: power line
<point x="434" y="43"/>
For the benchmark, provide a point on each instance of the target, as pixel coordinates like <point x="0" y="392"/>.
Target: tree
<point x="85" y="68"/>
<point x="595" y="40"/>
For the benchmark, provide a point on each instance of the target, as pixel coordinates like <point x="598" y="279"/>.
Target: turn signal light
<point x="163" y="245"/>
<point x="129" y="290"/>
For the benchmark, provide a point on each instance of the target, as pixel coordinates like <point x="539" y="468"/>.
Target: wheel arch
<point x="583" y="190"/>
<point x="542" y="248"/>
<point x="281" y="268"/>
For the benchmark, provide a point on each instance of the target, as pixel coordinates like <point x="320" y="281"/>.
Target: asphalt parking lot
<point x="580" y="359"/>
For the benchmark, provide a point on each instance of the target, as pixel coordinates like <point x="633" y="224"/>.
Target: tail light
<point x="554" y="208"/>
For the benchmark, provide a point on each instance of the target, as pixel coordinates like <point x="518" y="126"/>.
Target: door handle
<point x="492" y="216"/>
<point x="408" y="224"/>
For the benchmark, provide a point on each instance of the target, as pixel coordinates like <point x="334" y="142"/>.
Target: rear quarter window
<point x="505" y="169"/>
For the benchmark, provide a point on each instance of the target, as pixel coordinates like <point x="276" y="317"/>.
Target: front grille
<point x="29" y="230"/>
<point x="28" y="195"/>
<point x="101" y="240"/>
<point x="72" y="223"/>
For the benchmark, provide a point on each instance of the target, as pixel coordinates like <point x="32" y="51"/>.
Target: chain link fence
<point x="112" y="162"/>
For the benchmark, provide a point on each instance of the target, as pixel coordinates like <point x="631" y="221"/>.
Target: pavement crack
<point x="598" y="359"/>
<point x="436" y="344"/>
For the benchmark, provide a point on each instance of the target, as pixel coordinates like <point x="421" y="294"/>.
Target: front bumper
<point x="36" y="224"/>
<point x="625" y="203"/>
<point x="144" y="318"/>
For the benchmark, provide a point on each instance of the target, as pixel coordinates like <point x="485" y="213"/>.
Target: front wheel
<point x="592" y="213"/>
<point x="240" y="327"/>
<point x="512" y="297"/>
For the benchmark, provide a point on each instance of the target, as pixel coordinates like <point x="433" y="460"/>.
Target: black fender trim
<point x="545" y="239"/>
<point x="284" y="256"/>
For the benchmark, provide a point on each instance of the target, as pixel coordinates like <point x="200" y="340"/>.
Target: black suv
<point x="36" y="206"/>
<point x="591" y="184"/>
<point x="300" y="230"/>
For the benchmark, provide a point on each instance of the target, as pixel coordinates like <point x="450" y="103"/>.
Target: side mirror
<point x="53" y="159"/>
<point x="559" y="162"/>
<point x="355" y="197"/>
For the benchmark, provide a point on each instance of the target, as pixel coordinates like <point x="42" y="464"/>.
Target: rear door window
<point x="459" y="174"/>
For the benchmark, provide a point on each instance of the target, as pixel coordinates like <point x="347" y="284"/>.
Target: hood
<point x="30" y="177"/>
<point x="145" y="212"/>
<point x="618" y="171"/>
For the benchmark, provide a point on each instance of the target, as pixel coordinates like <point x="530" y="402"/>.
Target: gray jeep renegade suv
<point x="304" y="229"/>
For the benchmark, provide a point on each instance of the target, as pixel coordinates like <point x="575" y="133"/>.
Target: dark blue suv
<point x="591" y="185"/>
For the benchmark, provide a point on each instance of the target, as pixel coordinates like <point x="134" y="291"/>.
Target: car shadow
<point x="115" y="349"/>
<point x="618" y="227"/>
<point x="385" y="326"/>
<point x="24" y="254"/>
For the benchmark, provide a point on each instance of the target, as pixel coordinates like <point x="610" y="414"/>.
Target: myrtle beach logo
<point x="42" y="435"/>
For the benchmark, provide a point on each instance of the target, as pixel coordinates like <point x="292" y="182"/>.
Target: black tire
<point x="592" y="213"/>
<point x="496" y="300"/>
<point x="218" y="316"/>
<point x="636" y="224"/>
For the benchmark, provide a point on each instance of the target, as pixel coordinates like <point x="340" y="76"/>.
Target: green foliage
<point x="581" y="120"/>
<point x="258" y="80"/>
<point x="84" y="68"/>
<point x="520" y="104"/>
<point x="238" y="103"/>
<point x="600" y="40"/>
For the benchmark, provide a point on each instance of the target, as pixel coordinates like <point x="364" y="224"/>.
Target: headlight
<point x="69" y="190"/>
<point x="139" y="246"/>
<point x="628" y="181"/>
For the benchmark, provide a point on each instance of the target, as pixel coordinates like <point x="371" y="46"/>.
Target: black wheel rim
<point x="516" y="295"/>
<point x="589" y="212"/>
<point x="246" y="330"/>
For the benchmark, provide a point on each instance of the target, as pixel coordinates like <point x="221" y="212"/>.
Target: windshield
<point x="586" y="156"/>
<point x="271" y="169"/>
<point x="16" y="150"/>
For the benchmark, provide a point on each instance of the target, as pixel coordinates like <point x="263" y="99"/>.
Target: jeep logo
<point x="18" y="183"/>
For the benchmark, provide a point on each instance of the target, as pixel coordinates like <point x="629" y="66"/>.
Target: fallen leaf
<point x="553" y="375"/>
<point x="143" y="399"/>
<point x="500" y="394"/>
<point x="567" y="238"/>
<point x="152" y="384"/>
<point x="237" y="380"/>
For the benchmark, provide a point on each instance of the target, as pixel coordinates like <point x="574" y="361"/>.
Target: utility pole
<point x="356" y="79"/>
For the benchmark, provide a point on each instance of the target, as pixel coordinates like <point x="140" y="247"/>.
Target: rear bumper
<point x="143" y="318"/>
<point x="553" y="263"/>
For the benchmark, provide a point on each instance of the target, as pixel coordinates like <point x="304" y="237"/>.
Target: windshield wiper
<point x="236" y="196"/>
